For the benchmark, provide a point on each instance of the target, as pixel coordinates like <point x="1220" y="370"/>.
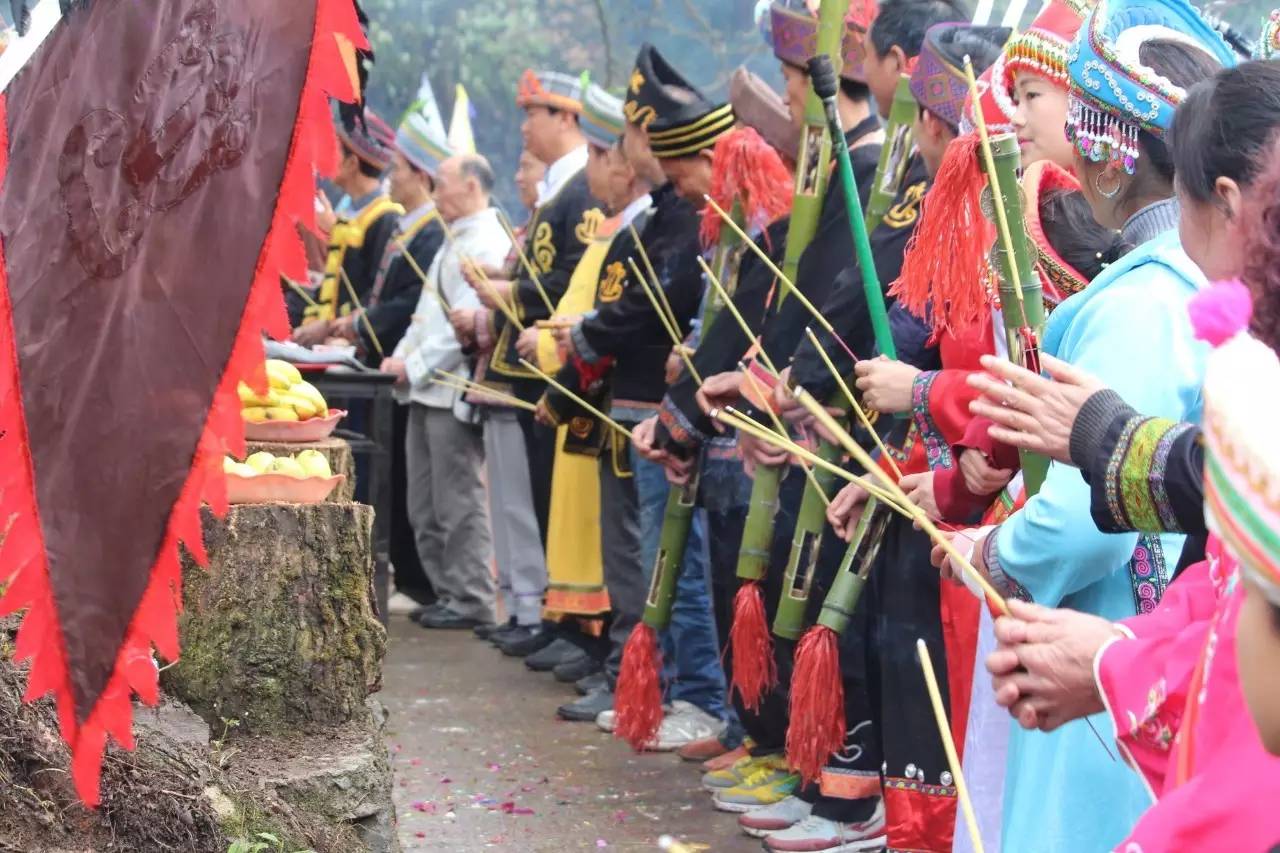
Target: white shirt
<point x="429" y="344"/>
<point x="631" y="211"/>
<point x="559" y="173"/>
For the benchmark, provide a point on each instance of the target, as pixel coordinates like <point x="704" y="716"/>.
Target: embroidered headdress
<point x="681" y="120"/>
<point x="1241" y="467"/>
<point x="1041" y="49"/>
<point x="421" y="137"/>
<point x="1058" y="278"/>
<point x="791" y="29"/>
<point x="550" y="89"/>
<point x="758" y="106"/>
<point x="1113" y="96"/>
<point x="602" y="119"/>
<point x="938" y="81"/>
<point x="1269" y="42"/>
<point x="370" y="139"/>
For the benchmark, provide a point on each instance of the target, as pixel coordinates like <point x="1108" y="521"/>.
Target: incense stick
<point x="786" y="282"/>
<point x="501" y="303"/>
<point x="949" y="744"/>
<point x="524" y="260"/>
<point x="857" y="408"/>
<point x="355" y="299"/>
<point x="575" y="398"/>
<point x="444" y="377"/>
<point x="666" y="322"/>
<point x="437" y="291"/>
<point x="653" y="275"/>
<point x="298" y="289"/>
<point x="738" y="420"/>
<point x="737" y="315"/>
<point x="919" y="516"/>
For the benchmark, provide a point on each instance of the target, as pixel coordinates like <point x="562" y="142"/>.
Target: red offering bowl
<point x="280" y="488"/>
<point x="314" y="429"/>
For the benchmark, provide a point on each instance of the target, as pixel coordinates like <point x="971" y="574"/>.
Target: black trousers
<point x="541" y="444"/>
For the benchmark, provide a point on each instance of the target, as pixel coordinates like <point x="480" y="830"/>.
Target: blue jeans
<point x="690" y="651"/>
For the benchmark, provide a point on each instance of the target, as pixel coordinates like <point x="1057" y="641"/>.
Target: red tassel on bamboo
<point x="637" y="702"/>
<point x="817" y="703"/>
<point x="754" y="670"/>
<point x="944" y="265"/>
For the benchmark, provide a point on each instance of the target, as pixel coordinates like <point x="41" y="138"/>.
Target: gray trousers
<point x="621" y="555"/>
<point x="522" y="563"/>
<point x="447" y="509"/>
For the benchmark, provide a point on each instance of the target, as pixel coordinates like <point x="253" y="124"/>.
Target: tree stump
<point x="336" y="450"/>
<point x="279" y="633"/>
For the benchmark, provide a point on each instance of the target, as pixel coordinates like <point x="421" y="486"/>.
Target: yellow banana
<point x="308" y="391"/>
<point x="248" y="398"/>
<point x="282" y="374"/>
<point x="254" y="413"/>
<point x="304" y="407"/>
<point x="281" y="413"/>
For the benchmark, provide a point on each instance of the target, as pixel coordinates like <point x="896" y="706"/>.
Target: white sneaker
<point x="683" y="724"/>
<point x="606" y="720"/>
<point x="827" y="836"/>
<point x="400" y="604"/>
<point x="783" y="814"/>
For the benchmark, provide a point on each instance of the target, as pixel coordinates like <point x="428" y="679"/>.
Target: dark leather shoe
<point x="592" y="683"/>
<point x="433" y="609"/>
<point x="485" y="632"/>
<point x="547" y="659"/>
<point x="525" y="640"/>
<point x="586" y="709"/>
<point x="447" y="619"/>
<point x="574" y="670"/>
<point x="501" y="634"/>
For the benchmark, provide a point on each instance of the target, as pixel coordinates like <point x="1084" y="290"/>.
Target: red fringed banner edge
<point x="313" y="149"/>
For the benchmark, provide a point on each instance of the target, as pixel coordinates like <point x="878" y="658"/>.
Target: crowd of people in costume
<point x="896" y="445"/>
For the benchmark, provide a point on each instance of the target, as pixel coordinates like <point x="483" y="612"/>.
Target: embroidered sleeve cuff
<point x="1092" y="423"/>
<point x="937" y="450"/>
<point x="1004" y="583"/>
<point x="679" y="428"/>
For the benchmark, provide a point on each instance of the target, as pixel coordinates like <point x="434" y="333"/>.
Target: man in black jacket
<point x="667" y="119"/>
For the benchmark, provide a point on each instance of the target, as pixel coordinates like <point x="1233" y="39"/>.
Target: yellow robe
<point x="574" y="566"/>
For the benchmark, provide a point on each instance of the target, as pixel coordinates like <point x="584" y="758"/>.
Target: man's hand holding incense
<point x="845" y="510"/>
<point x="527" y="344"/>
<point x="396" y="367"/>
<point x="756" y="452"/>
<point x="311" y="333"/>
<point x="1029" y="411"/>
<point x="345" y="327"/>
<point x="542" y="413"/>
<point x="719" y="391"/>
<point x="1042" y="669"/>
<point x="463" y="321"/>
<point x="886" y="384"/>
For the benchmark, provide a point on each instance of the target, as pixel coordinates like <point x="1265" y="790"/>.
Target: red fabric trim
<point x="154" y="624"/>
<point x="959" y="611"/>
<point x="919" y="818"/>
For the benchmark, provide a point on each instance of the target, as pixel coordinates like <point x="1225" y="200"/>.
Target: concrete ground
<point x="482" y="763"/>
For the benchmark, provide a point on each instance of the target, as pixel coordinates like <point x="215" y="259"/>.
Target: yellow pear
<point x="261" y="461"/>
<point x="244" y="470"/>
<point x="288" y="466"/>
<point x="282" y="374"/>
<point x="228" y="464"/>
<point x="315" y="463"/>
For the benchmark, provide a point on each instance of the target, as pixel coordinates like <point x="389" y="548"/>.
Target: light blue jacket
<point x="1130" y="329"/>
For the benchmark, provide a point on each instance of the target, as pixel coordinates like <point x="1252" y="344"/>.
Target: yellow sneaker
<point x="735" y="774"/>
<point x="770" y="783"/>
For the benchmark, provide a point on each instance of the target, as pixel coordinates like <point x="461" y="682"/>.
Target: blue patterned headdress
<point x="1113" y="96"/>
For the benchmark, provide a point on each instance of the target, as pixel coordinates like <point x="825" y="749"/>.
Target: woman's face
<point x="1257" y="652"/>
<point x="1210" y="230"/>
<point x="1039" y="120"/>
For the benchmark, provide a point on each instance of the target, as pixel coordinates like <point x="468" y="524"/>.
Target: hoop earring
<point x="1107" y="194"/>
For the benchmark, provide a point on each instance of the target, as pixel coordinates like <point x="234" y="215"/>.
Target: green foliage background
<point x="486" y="46"/>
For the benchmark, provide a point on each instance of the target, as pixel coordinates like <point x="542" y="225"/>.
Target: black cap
<point x="681" y="120"/>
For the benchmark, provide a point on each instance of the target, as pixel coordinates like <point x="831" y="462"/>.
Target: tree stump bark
<point x="336" y="450"/>
<point x="279" y="633"/>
